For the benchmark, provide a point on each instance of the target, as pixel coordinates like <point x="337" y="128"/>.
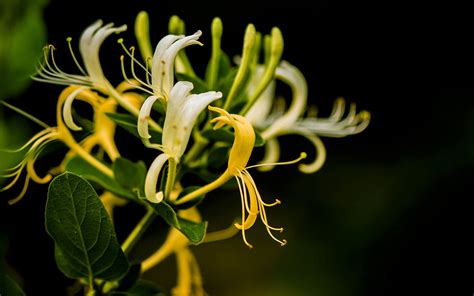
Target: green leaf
<point x="85" y="242"/>
<point x="129" y="280"/>
<point x="140" y="288"/>
<point x="195" y="232"/>
<point x="130" y="175"/>
<point x="129" y="123"/>
<point x="221" y="134"/>
<point x="22" y="34"/>
<point x="217" y="156"/>
<point x="191" y="203"/>
<point x="8" y="286"/>
<point x="226" y="136"/>
<point x="82" y="168"/>
<point x="199" y="85"/>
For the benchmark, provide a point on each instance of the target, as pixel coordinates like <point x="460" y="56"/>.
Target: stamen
<point x="132" y="49"/>
<point x="69" y="39"/>
<point x="22" y="193"/>
<point x="120" y="41"/>
<point x="263" y="217"/>
<point x="18" y="173"/>
<point x="124" y="73"/>
<point x="147" y="72"/>
<point x="302" y="156"/>
<point x="34" y="138"/>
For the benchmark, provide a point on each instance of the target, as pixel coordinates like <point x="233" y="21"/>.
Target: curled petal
<point x="295" y="79"/>
<point x="144" y="115"/>
<point x="89" y="46"/>
<point x="320" y="154"/>
<point x="164" y="60"/>
<point x="67" y="110"/>
<point x="181" y="114"/>
<point x="152" y="179"/>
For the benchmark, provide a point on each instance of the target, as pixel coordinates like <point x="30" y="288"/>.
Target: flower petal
<point x="181" y="114"/>
<point x="151" y="179"/>
<point x="67" y="109"/>
<point x="144" y="115"/>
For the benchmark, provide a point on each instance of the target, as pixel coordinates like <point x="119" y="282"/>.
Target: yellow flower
<point x="251" y="200"/>
<point x="61" y="133"/>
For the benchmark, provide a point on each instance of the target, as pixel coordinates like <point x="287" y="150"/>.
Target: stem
<point x="138" y="231"/>
<point x="199" y="144"/>
<point x="89" y="158"/>
<point x="172" y="163"/>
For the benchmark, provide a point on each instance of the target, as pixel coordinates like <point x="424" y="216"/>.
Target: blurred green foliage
<point x="22" y="34"/>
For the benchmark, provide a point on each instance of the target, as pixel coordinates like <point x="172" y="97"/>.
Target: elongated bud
<point x="213" y="70"/>
<point x="176" y="25"/>
<point x="216" y="28"/>
<point x="142" y="33"/>
<point x="277" y="43"/>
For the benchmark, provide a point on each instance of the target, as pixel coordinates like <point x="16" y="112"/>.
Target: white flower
<point x="275" y="124"/>
<point x="162" y="69"/>
<point x="92" y="77"/>
<point x="181" y="114"/>
<point x="89" y="46"/>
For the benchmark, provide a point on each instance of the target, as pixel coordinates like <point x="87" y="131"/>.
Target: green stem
<point x="172" y="164"/>
<point x="138" y="231"/>
<point x="199" y="144"/>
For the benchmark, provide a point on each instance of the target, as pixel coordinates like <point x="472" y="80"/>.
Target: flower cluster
<point x="192" y="122"/>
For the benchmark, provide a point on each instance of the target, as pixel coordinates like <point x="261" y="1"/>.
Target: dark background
<point x="389" y="212"/>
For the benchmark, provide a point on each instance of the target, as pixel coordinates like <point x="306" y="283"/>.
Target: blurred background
<point x="389" y="212"/>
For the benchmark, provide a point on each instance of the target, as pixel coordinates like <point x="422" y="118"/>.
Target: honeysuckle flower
<point x="35" y="146"/>
<point x="251" y="200"/>
<point x="189" y="276"/>
<point x="276" y="124"/>
<point x="163" y="64"/>
<point x="40" y="140"/>
<point x="89" y="46"/>
<point x="181" y="114"/>
<point x="162" y="70"/>
<point x="91" y="78"/>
